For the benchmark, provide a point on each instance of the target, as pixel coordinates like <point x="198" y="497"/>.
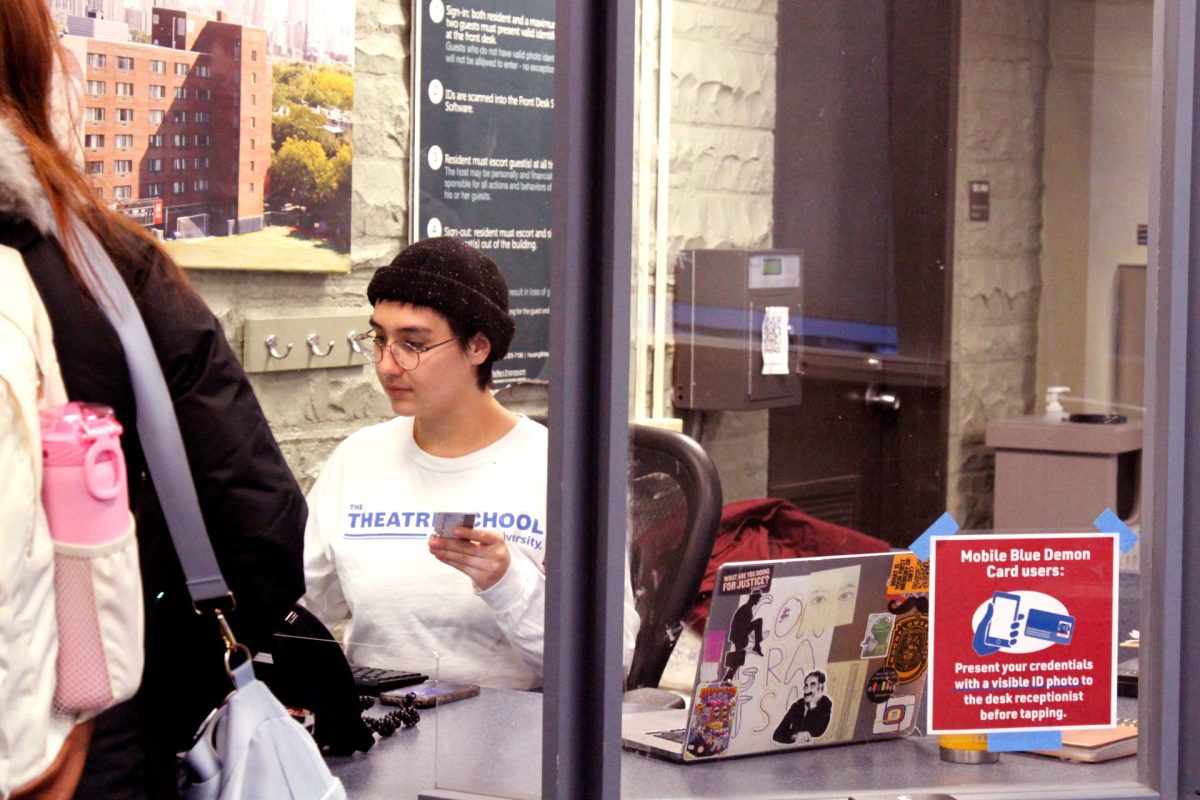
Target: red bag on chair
<point x="769" y="527"/>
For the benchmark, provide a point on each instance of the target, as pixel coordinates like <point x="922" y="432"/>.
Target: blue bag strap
<point x="158" y="430"/>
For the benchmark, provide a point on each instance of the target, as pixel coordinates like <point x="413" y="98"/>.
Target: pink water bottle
<point x="86" y="499"/>
<point x="84" y="488"/>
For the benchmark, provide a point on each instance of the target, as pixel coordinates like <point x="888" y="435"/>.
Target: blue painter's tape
<point x="1025" y="740"/>
<point x="944" y="526"/>
<point x="1108" y="522"/>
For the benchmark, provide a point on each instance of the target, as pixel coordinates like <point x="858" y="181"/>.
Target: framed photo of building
<point x="227" y="134"/>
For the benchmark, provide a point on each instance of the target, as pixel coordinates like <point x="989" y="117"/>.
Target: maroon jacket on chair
<point x="755" y="530"/>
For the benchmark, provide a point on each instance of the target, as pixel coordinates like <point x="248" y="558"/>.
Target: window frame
<point x="588" y="409"/>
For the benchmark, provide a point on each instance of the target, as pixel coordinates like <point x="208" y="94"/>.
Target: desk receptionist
<point x="468" y="607"/>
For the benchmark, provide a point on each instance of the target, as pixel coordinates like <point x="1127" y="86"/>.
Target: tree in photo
<point x="302" y="177"/>
<point x="303" y="124"/>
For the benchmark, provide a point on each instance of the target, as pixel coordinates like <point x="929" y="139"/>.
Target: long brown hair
<point x="30" y="54"/>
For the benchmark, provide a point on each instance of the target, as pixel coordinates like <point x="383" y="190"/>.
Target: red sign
<point x="146" y="212"/>
<point x="1022" y="632"/>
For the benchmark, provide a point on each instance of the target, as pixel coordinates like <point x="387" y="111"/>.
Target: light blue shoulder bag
<point x="249" y="747"/>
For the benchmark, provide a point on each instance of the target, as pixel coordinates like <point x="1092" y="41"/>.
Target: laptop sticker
<point x="878" y="635"/>
<point x="908" y="652"/>
<point x="711" y="724"/>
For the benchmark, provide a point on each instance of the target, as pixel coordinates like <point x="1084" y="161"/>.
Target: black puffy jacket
<point x="252" y="506"/>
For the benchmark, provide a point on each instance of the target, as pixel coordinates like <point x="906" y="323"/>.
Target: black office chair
<point x="675" y="513"/>
<point x="675" y="506"/>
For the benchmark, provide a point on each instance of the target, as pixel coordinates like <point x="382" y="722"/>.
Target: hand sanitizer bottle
<point x="1054" y="409"/>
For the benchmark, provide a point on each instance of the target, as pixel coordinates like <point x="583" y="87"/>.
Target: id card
<point x="444" y="523"/>
<point x="1050" y="627"/>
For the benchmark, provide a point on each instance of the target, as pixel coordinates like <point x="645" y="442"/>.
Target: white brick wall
<point x="997" y="271"/>
<point x="722" y="175"/>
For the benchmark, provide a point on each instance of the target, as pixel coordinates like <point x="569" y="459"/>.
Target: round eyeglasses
<point x="405" y="354"/>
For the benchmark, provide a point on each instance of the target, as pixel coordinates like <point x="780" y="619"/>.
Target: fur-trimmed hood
<point x="21" y="192"/>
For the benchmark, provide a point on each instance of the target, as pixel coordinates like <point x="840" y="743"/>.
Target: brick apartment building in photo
<point x="177" y="133"/>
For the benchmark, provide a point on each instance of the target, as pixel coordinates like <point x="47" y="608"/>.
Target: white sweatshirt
<point x="367" y="559"/>
<point x="30" y="734"/>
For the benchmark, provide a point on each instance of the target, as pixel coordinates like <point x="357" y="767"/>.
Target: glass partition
<point x="965" y="188"/>
<point x="930" y="214"/>
<point x="391" y="724"/>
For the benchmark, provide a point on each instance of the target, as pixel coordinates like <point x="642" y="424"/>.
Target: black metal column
<point x="589" y="397"/>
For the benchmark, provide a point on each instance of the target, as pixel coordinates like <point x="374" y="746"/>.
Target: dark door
<point x="870" y="456"/>
<point x="863" y="186"/>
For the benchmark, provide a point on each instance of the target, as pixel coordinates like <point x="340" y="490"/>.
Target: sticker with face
<point x="814" y="687"/>
<point x="877" y="636"/>
<point x="831" y="598"/>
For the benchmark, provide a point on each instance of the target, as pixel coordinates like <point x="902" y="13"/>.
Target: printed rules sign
<point x="1022" y="632"/>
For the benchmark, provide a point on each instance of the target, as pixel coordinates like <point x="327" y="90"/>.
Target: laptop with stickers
<point x="800" y="653"/>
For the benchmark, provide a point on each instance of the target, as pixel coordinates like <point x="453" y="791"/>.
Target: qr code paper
<point x="773" y="334"/>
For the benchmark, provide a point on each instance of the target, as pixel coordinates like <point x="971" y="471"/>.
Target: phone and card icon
<point x="444" y="522"/>
<point x="1005" y="625"/>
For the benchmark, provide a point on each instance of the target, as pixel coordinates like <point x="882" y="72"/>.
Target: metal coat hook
<point x="352" y="338"/>
<point x="314" y="345"/>
<point x="272" y="342"/>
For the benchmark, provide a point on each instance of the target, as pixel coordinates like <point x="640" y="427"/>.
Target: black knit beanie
<point x="454" y="279"/>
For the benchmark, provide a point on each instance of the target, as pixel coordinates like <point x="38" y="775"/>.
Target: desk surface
<point x="490" y="744"/>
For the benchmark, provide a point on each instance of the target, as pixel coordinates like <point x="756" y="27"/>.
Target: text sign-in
<point x="483" y="107"/>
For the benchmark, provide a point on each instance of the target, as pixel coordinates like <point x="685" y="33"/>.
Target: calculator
<point x="373" y="680"/>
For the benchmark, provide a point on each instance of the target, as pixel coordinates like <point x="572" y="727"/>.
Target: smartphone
<point x="431" y="693"/>
<point x="444" y="523"/>
<point x="1004" y="614"/>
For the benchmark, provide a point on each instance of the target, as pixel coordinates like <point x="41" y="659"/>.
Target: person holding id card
<point x="427" y="533"/>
